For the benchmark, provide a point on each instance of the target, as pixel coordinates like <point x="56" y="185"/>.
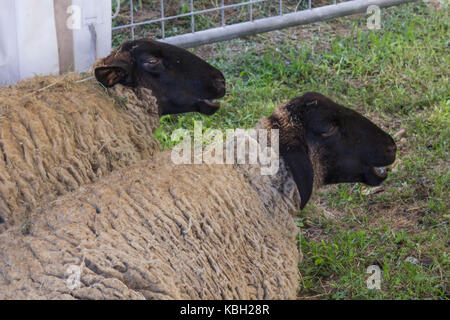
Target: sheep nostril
<point x="220" y="84"/>
<point x="391" y="150"/>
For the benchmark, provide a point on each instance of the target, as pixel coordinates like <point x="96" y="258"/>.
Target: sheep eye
<point x="151" y="61"/>
<point x="333" y="130"/>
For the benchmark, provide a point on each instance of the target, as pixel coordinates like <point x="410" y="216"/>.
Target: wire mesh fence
<point x="190" y="23"/>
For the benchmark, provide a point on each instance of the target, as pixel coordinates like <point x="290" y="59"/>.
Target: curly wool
<point x="156" y="231"/>
<point x="57" y="133"/>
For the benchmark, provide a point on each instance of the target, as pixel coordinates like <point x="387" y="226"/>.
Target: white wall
<point x="9" y="65"/>
<point x="28" y="41"/>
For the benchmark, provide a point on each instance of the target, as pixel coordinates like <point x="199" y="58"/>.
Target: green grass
<point x="398" y="77"/>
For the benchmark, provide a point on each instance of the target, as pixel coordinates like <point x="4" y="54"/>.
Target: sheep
<point x="60" y="132"/>
<point x="158" y="230"/>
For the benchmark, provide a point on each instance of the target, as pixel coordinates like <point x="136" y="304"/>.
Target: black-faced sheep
<point x="58" y="133"/>
<point x="158" y="230"/>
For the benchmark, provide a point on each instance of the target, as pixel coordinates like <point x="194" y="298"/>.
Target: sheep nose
<point x="391" y="150"/>
<point x="220" y="85"/>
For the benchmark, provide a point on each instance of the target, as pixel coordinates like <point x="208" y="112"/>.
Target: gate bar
<point x="278" y="22"/>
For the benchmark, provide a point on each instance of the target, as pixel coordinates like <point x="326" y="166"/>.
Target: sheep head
<point x="317" y="134"/>
<point x="181" y="81"/>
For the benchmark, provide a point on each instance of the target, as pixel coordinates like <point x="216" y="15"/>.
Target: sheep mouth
<point x="211" y="103"/>
<point x="375" y="175"/>
<point x="377" y="172"/>
<point x="207" y="106"/>
<point x="380" y="172"/>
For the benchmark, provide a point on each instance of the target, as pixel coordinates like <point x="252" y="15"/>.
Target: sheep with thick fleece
<point x="60" y="132"/>
<point x="157" y="230"/>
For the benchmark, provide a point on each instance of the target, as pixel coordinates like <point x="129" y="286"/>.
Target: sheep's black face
<point x="181" y="81"/>
<point x="351" y="147"/>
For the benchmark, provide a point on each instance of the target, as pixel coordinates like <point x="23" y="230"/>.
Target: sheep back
<point x="155" y="231"/>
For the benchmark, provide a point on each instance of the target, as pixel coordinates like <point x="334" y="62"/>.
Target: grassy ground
<point x="398" y="77"/>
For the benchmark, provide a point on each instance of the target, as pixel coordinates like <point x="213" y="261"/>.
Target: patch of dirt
<point x="398" y="217"/>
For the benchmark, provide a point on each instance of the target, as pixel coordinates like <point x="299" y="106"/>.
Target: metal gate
<point x="282" y="14"/>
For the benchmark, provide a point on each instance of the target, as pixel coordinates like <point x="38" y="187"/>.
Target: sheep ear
<point x="301" y="167"/>
<point x="110" y="75"/>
